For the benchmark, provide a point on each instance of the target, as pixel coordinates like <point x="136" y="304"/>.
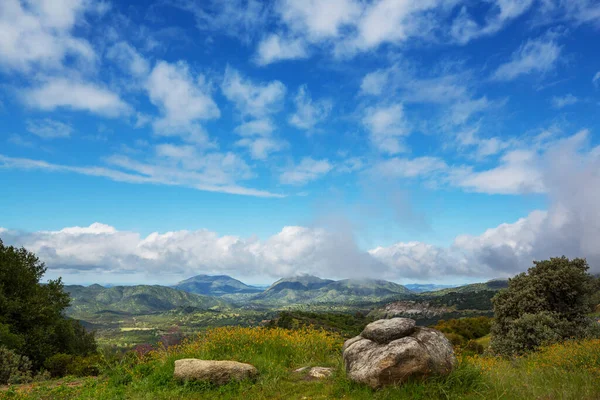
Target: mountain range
<point x="221" y="291"/>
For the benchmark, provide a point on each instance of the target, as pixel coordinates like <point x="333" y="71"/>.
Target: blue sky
<point x="439" y="140"/>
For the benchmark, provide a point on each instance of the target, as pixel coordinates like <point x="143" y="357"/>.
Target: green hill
<point x="215" y="285"/>
<point x="313" y="290"/>
<point x="141" y="299"/>
<point x="494" y="284"/>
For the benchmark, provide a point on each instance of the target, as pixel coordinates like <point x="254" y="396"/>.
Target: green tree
<point x="32" y="320"/>
<point x="547" y="304"/>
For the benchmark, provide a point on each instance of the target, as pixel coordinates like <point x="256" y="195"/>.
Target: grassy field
<point x="566" y="371"/>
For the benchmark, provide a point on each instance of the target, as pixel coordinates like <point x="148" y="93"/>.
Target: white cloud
<point x="387" y="127"/>
<point x="484" y="147"/>
<point x="374" y="82"/>
<point x="409" y="168"/>
<point x="536" y="55"/>
<point x="213" y="172"/>
<point x="275" y="48"/>
<point x="103" y="252"/>
<point x="517" y="173"/>
<point x="261" y="147"/>
<point x="306" y="171"/>
<point x="260" y="127"/>
<point x="596" y="79"/>
<point x="129" y="60"/>
<point x="464" y="28"/>
<point x="183" y="100"/>
<point x="563" y="101"/>
<point x="242" y="19"/>
<point x="255" y="101"/>
<point x="252" y="99"/>
<point x="316" y="19"/>
<point x="448" y="89"/>
<point x="308" y="112"/>
<point x="49" y="129"/>
<point x="82" y="96"/>
<point x="38" y="34"/>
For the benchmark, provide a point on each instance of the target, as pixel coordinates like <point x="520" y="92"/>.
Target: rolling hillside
<point x="214" y="285"/>
<point x="312" y="290"/>
<point x="141" y="299"/>
<point x="495" y="284"/>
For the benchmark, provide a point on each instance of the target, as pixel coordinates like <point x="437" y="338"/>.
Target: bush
<point x="14" y="368"/>
<point x="462" y="330"/>
<point x="58" y="364"/>
<point x="546" y="305"/>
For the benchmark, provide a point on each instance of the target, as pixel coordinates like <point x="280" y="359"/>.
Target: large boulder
<point x="217" y="372"/>
<point x="389" y="352"/>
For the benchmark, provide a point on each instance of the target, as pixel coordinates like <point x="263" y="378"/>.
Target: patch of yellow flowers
<point x="246" y="344"/>
<point x="573" y="355"/>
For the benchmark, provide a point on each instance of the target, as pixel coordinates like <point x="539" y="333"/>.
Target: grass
<point x="566" y="371"/>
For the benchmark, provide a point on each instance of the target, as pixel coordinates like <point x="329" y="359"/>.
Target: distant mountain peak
<point x="214" y="285"/>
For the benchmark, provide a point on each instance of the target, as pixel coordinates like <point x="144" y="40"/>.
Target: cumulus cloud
<point x="256" y="103"/>
<point x="276" y="47"/>
<point x="534" y="56"/>
<point x="183" y="100"/>
<point x="39" y="34"/>
<point x="308" y="111"/>
<point x="307" y="170"/>
<point x="99" y="248"/>
<point x="56" y="93"/>
<point x="251" y="98"/>
<point x="387" y="126"/>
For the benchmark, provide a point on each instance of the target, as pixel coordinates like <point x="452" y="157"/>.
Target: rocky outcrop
<point x="392" y="351"/>
<point x="217" y="372"/>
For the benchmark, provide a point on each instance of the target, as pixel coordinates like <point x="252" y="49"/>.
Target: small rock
<point x="320" y="372"/>
<point x="386" y="330"/>
<point x="217" y="372"/>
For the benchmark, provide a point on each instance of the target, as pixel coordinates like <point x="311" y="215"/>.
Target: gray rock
<point x="217" y="372"/>
<point x="418" y="354"/>
<point x="386" y="330"/>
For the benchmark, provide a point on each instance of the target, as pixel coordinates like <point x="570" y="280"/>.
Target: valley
<point x="126" y="316"/>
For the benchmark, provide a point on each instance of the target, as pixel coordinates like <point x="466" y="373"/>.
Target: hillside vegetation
<point x="313" y="290"/>
<point x="141" y="299"/>
<point x="566" y="371"/>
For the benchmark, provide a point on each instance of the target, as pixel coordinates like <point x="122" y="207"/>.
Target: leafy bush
<point x="58" y="364"/>
<point x="546" y="305"/>
<point x="14" y="368"/>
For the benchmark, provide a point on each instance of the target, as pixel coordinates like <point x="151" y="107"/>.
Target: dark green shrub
<point x="14" y="368"/>
<point x="547" y="304"/>
<point x="58" y="364"/>
<point x="84" y="366"/>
